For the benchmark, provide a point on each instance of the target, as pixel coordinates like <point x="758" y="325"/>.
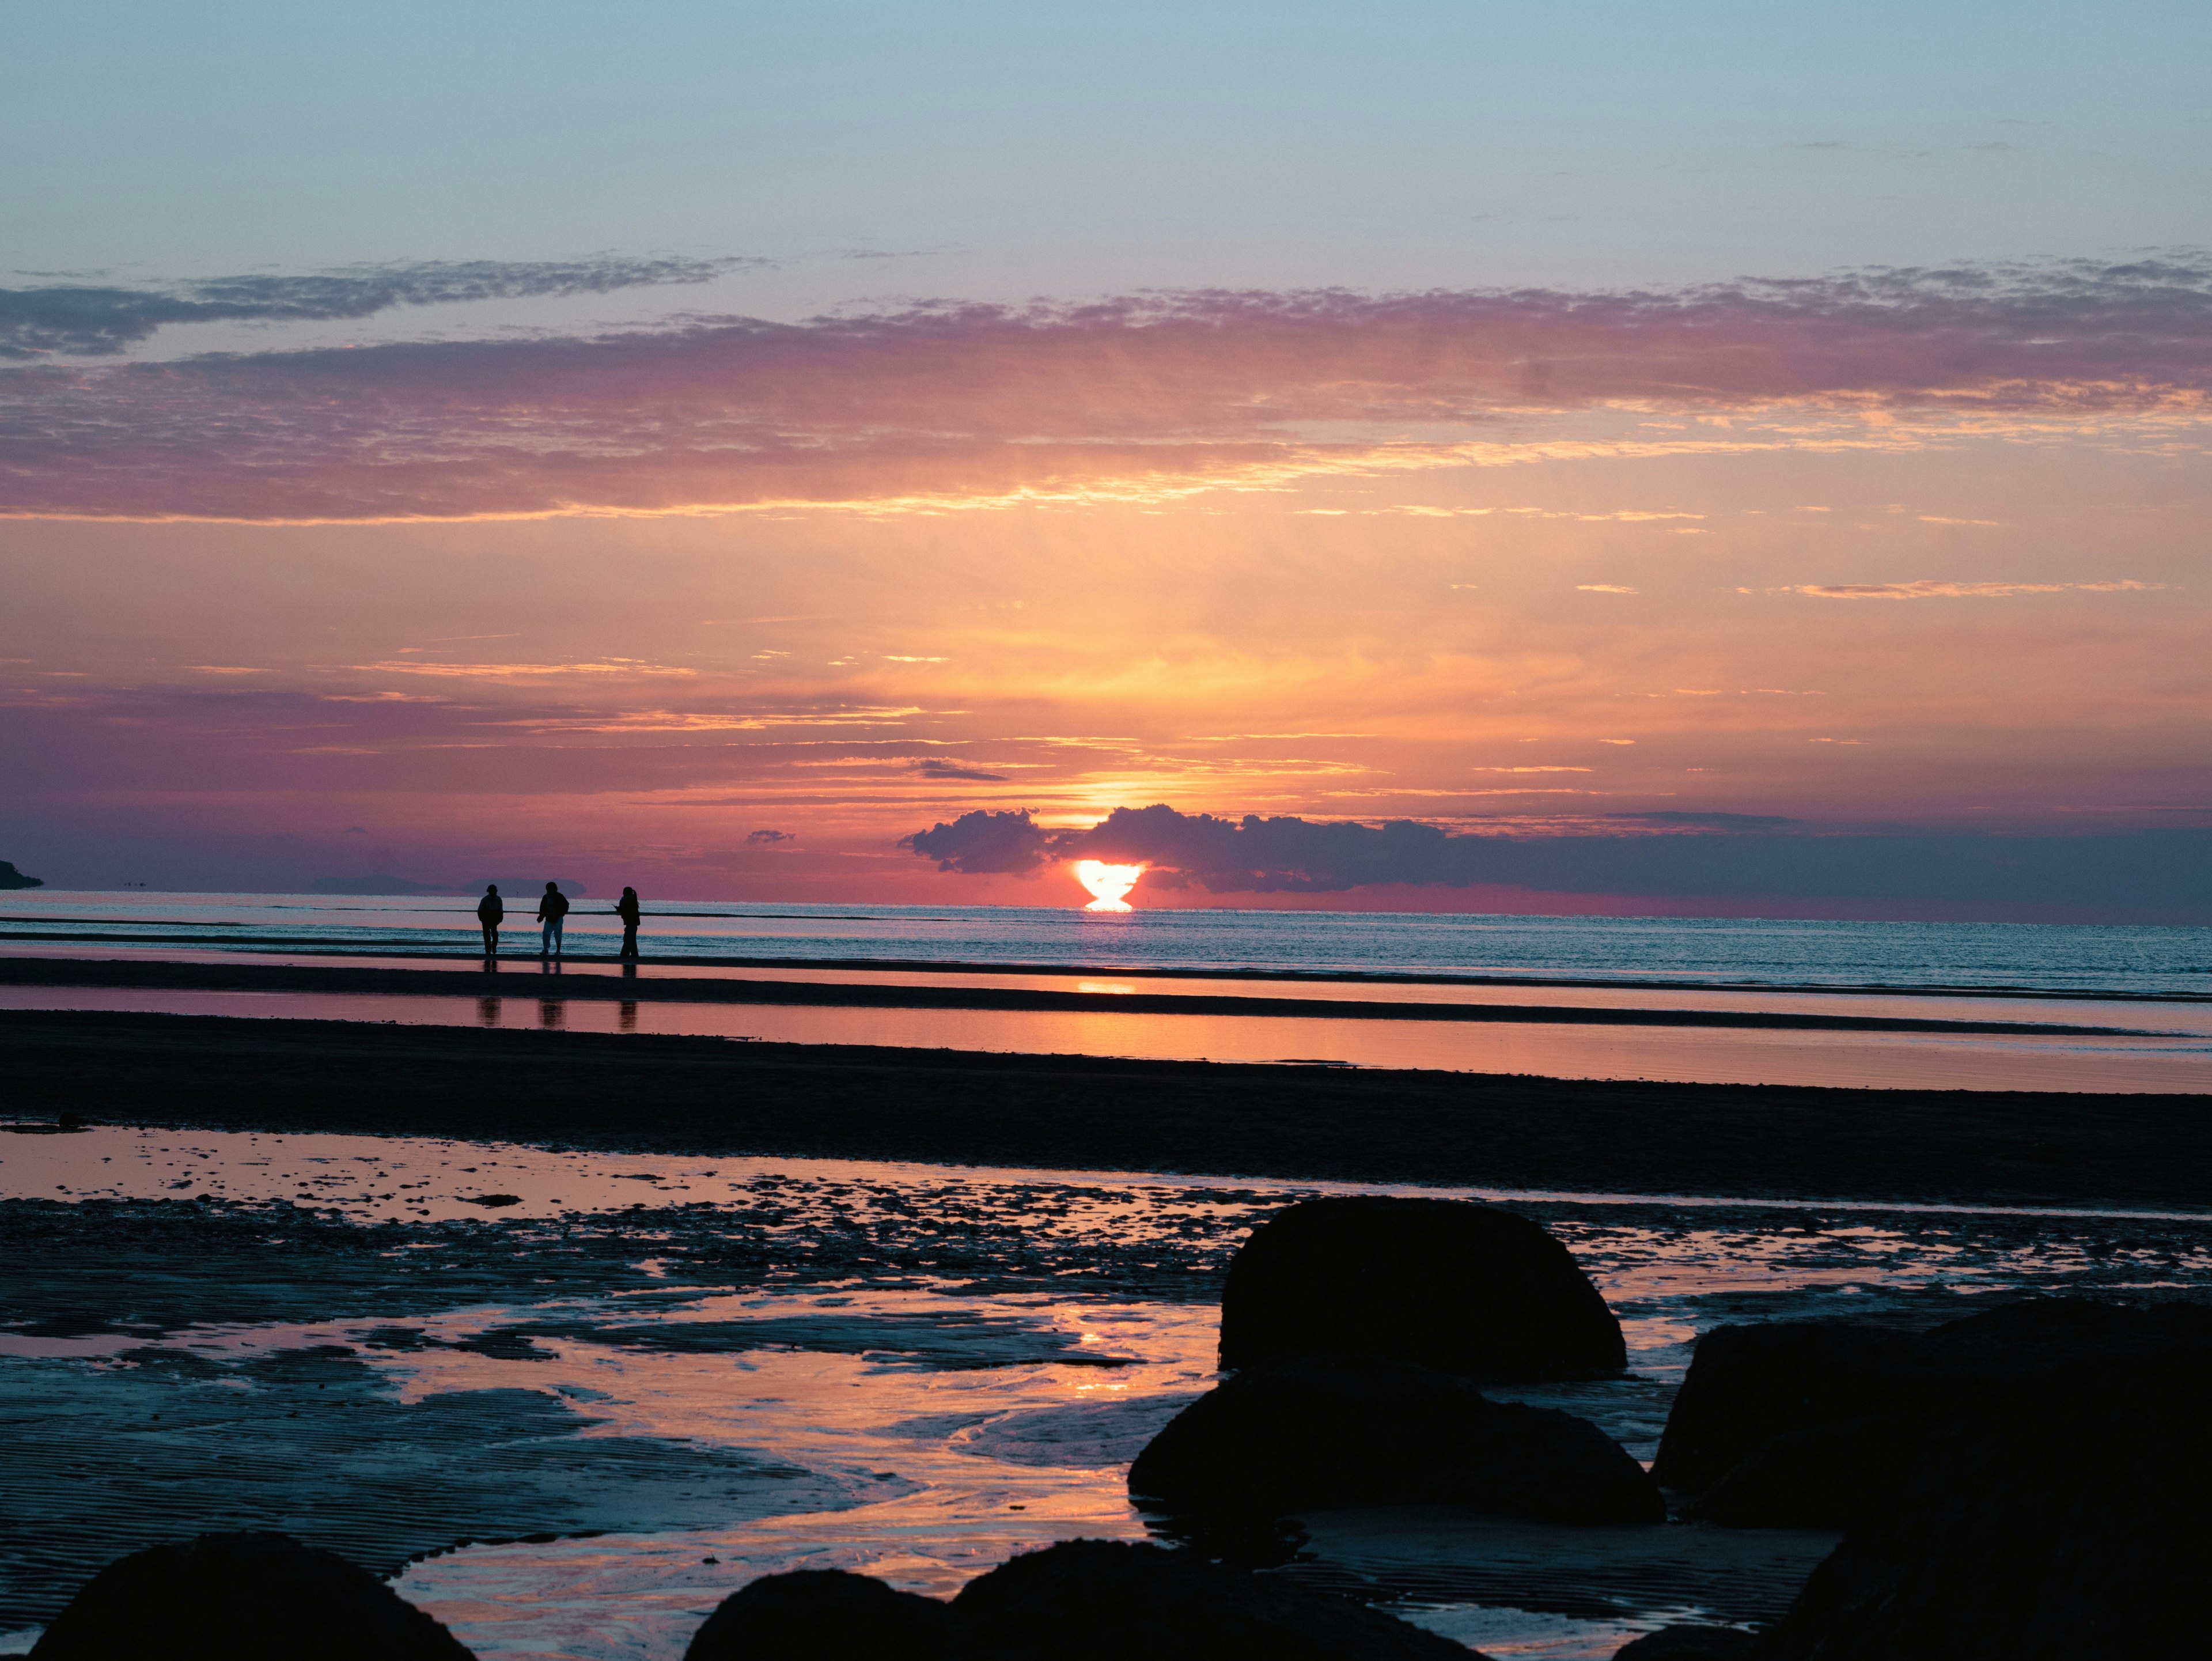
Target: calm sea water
<point x="1666" y="950"/>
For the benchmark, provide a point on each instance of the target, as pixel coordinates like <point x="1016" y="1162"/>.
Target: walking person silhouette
<point x="552" y="906"/>
<point x="626" y="909"/>
<point x="490" y="910"/>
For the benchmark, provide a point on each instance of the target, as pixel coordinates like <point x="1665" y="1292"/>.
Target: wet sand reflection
<point x="1703" y="1055"/>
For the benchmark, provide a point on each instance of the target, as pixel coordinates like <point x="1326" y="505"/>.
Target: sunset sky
<point x="1756" y="453"/>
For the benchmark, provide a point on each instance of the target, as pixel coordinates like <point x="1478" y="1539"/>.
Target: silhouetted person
<point x="626" y="909"/>
<point x="552" y="906"/>
<point x="490" y="910"/>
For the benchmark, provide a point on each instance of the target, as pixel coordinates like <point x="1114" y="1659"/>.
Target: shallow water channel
<point x="654" y="1379"/>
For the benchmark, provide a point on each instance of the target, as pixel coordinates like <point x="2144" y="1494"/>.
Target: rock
<point x="1465" y="1288"/>
<point x="1112" y="1600"/>
<point x="1690" y="1644"/>
<point x="1319" y="1432"/>
<point x="2073" y="1525"/>
<point x="823" y="1615"/>
<point x="1816" y="1424"/>
<point x="1749" y="1385"/>
<point x="1828" y="1477"/>
<point x="242" y="1597"/>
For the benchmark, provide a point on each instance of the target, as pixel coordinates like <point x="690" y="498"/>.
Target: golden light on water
<point x="1107" y="883"/>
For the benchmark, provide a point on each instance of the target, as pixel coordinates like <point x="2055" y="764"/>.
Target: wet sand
<point x="30" y="971"/>
<point x="714" y="1097"/>
<point x="651" y="1378"/>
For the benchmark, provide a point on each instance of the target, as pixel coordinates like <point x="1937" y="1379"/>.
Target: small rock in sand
<point x="822" y="1615"/>
<point x="1081" y="1600"/>
<point x="1113" y="1600"/>
<point x="242" y="1597"/>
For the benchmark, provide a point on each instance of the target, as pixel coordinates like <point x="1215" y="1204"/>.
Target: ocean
<point x="1660" y="951"/>
<point x="2146" y="992"/>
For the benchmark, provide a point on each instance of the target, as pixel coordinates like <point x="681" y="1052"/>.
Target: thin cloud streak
<point x="1144" y="399"/>
<point x="518" y="671"/>
<point x="1929" y="589"/>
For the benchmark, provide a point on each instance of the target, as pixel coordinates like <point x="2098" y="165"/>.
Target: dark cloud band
<point x="2166" y="871"/>
<point x="83" y="321"/>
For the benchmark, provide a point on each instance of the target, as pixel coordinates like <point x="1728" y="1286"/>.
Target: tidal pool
<point x="635" y="1383"/>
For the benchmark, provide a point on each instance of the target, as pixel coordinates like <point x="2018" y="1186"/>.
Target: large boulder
<point x="1111" y="1600"/>
<point x="823" y="1615"/>
<point x="1749" y="1384"/>
<point x="2074" y="1525"/>
<point x="1828" y="1477"/>
<point x="1324" y="1432"/>
<point x="1817" y="1424"/>
<point x="1461" y="1287"/>
<point x="242" y="1597"/>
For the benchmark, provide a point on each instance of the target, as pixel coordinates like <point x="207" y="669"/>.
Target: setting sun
<point x="1108" y="883"/>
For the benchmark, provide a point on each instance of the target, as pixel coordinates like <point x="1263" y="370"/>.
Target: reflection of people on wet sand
<point x="490" y="910"/>
<point x="552" y="907"/>
<point x="626" y="909"/>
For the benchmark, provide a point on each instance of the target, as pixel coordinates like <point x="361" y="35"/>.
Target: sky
<point x="1710" y="460"/>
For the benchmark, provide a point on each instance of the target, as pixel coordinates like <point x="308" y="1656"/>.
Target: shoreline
<point x="155" y="974"/>
<point x="321" y="946"/>
<point x="712" y="1097"/>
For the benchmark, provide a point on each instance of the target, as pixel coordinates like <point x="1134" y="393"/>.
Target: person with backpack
<point x="490" y="910"/>
<point x="552" y="907"/>
<point x="626" y="909"/>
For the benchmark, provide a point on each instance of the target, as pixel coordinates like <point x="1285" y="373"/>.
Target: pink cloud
<point x="1161" y="393"/>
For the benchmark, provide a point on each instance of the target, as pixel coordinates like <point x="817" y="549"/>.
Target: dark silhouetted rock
<point x="823" y="1615"/>
<point x="11" y="878"/>
<point x="1324" y="1432"/>
<point x="1110" y="1600"/>
<point x="1749" y="1385"/>
<point x="242" y="1597"/>
<point x="1815" y="1424"/>
<point x="2074" y="1526"/>
<point x="1690" y="1644"/>
<point x="1461" y="1287"/>
<point x="1828" y="1477"/>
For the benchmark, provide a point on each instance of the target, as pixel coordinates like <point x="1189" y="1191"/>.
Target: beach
<point x="573" y="1300"/>
<point x="713" y="1097"/>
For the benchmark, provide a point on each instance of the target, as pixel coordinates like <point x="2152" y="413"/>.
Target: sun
<point x="1108" y="883"/>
